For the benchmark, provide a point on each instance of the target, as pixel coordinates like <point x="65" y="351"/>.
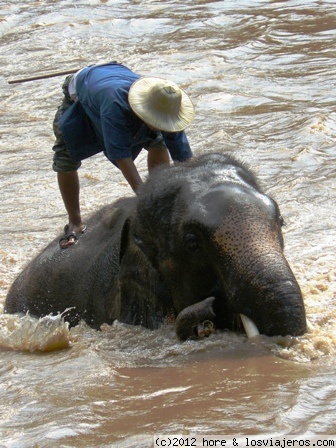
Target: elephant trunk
<point x="283" y="311"/>
<point x="268" y="305"/>
<point x="254" y="276"/>
<point x="272" y="298"/>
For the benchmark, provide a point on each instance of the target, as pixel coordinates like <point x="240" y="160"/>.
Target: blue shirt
<point x="102" y="119"/>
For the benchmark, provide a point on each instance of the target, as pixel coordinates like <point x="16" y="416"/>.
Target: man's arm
<point x="130" y="173"/>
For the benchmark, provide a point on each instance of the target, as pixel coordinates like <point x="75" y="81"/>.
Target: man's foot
<point x="70" y="236"/>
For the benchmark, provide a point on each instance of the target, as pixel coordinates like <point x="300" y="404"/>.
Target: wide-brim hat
<point x="161" y="104"/>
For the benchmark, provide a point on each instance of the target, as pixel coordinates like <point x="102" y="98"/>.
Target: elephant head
<point x="207" y="230"/>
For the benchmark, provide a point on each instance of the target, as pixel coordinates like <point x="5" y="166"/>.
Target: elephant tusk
<point x="310" y="326"/>
<point x="249" y="326"/>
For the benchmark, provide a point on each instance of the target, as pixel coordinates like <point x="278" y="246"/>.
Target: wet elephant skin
<point x="199" y="229"/>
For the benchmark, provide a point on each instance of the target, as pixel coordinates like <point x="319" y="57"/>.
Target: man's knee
<point x="62" y="161"/>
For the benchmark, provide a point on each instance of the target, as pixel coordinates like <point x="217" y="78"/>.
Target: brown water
<point x="262" y="76"/>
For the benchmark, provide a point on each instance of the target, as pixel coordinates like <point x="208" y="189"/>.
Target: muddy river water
<point x="262" y="75"/>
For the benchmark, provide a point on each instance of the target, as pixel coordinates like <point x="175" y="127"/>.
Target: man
<point x="109" y="108"/>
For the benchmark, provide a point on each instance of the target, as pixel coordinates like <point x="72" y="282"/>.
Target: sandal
<point x="70" y="238"/>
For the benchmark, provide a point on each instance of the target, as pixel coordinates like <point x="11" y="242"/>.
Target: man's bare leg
<point x="157" y="156"/>
<point x="69" y="187"/>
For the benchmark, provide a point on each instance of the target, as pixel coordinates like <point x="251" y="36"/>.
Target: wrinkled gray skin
<point x="203" y="228"/>
<point x="196" y="321"/>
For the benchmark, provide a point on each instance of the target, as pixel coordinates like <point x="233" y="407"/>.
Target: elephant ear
<point x="128" y="238"/>
<point x="142" y="298"/>
<point x="154" y="215"/>
<point x="124" y="240"/>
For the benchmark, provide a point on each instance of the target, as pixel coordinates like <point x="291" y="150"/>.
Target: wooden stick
<point x="50" y="75"/>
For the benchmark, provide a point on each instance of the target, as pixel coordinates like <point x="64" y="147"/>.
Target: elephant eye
<point x="191" y="243"/>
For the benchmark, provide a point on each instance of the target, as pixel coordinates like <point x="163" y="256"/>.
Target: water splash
<point x="26" y="333"/>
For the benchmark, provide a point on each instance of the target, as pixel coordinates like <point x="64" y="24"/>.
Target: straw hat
<point x="161" y="104"/>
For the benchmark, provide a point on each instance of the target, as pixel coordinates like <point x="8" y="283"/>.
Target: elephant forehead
<point x="247" y="230"/>
<point x="233" y="200"/>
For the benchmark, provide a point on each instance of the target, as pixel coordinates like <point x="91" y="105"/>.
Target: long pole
<point x="49" y="75"/>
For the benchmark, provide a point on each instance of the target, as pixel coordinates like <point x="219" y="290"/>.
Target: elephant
<point x="201" y="243"/>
